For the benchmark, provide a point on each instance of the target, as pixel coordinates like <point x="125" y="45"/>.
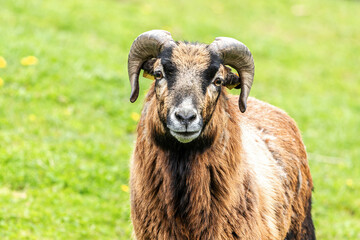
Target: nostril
<point x="179" y="116"/>
<point x="192" y="117"/>
<point x="185" y="115"/>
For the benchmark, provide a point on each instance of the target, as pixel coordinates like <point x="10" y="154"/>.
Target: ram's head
<point x="189" y="78"/>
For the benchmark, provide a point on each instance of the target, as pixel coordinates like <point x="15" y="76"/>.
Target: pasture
<point x="67" y="127"/>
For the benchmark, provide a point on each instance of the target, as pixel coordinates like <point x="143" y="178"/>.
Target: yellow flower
<point x="30" y="60"/>
<point x="349" y="182"/>
<point x="32" y="117"/>
<point x="1" y="82"/>
<point x="125" y="188"/>
<point x="2" y="62"/>
<point x="135" y="116"/>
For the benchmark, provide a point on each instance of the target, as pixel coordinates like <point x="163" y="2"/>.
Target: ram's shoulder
<point x="272" y="124"/>
<point x="265" y="116"/>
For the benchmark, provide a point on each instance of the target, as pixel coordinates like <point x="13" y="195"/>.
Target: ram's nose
<point x="184" y="121"/>
<point x="185" y="115"/>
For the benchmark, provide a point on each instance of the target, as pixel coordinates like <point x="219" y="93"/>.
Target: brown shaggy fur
<point x="250" y="180"/>
<point x="245" y="177"/>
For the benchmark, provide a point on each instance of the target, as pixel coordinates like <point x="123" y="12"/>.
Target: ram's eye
<point x="218" y="82"/>
<point x="158" y="75"/>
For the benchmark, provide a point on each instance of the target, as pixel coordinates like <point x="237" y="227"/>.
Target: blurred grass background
<point x="67" y="126"/>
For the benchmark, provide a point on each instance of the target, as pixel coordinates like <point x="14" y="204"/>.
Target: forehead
<point x="186" y="56"/>
<point x="189" y="58"/>
<point x="189" y="66"/>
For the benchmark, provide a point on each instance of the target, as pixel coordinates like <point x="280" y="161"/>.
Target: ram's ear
<point x="231" y="80"/>
<point x="148" y="68"/>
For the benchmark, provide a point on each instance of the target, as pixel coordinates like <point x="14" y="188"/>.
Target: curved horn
<point x="238" y="56"/>
<point x="147" y="45"/>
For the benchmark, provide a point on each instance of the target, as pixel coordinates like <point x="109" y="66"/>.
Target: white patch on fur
<point x="266" y="172"/>
<point x="268" y="137"/>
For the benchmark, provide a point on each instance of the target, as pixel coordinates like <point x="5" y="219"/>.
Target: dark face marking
<point x="209" y="73"/>
<point x="169" y="67"/>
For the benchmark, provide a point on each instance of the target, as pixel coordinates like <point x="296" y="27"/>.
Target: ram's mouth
<point x="185" y="137"/>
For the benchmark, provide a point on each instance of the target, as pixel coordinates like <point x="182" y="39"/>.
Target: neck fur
<point x="191" y="186"/>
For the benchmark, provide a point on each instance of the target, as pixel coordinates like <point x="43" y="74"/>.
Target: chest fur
<point x="190" y="195"/>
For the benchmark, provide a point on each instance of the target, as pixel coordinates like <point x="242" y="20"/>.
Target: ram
<point x="202" y="169"/>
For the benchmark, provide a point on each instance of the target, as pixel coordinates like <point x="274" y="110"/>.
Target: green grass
<point x="66" y="131"/>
